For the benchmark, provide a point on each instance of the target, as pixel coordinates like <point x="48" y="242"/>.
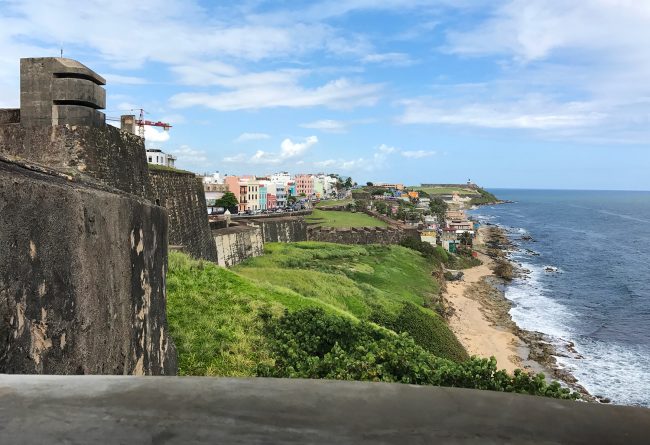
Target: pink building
<point x="232" y="183"/>
<point x="271" y="201"/>
<point x="304" y="184"/>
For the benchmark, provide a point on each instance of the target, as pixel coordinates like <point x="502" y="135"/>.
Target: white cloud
<point x="589" y="59"/>
<point x="534" y="112"/>
<point x="245" y="137"/>
<point x="339" y="94"/>
<point x="326" y="163"/>
<point x="163" y="31"/>
<point x="327" y="125"/>
<point x="290" y="149"/>
<point x="398" y="59"/>
<point x="417" y="154"/>
<point x="386" y="149"/>
<point x="263" y="157"/>
<point x="192" y="158"/>
<point x="536" y="29"/>
<point x="370" y="163"/>
<point x="152" y="134"/>
<point x="235" y="159"/>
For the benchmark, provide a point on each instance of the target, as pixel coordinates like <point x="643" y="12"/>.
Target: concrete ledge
<point x="170" y="410"/>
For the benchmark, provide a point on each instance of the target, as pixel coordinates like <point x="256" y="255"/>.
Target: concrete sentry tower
<point x="59" y="91"/>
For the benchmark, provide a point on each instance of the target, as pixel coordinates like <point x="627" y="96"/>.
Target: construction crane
<point x="142" y="122"/>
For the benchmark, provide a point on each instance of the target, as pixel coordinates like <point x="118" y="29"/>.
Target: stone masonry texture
<point x="282" y="230"/>
<point x="361" y="235"/>
<point x="82" y="277"/>
<point x="114" y="157"/>
<point x="235" y="244"/>
<point x="181" y="193"/>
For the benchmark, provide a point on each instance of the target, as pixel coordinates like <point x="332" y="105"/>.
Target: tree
<point x="370" y="184"/>
<point x="438" y="208"/>
<point x="291" y="200"/>
<point x="348" y="182"/>
<point x="465" y="239"/>
<point x="381" y="207"/>
<point x="227" y="201"/>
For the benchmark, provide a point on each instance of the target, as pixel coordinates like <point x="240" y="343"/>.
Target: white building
<point x="214" y="178"/>
<point x="281" y="177"/>
<point x="158" y="157"/>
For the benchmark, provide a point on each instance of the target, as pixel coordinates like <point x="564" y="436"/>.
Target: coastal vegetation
<point x="503" y="269"/>
<point x="336" y="219"/>
<point x="440" y="256"/>
<point x="311" y="343"/>
<point x="484" y="198"/>
<point x="320" y="310"/>
<point x="432" y="191"/>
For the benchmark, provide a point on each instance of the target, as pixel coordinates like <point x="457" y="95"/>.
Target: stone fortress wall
<point x="281" y="230"/>
<point x="181" y="193"/>
<point x="84" y="251"/>
<point x="355" y="235"/>
<point x="237" y="243"/>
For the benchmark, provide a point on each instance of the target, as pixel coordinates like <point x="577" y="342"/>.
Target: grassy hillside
<point x="343" y="219"/>
<point x="446" y="190"/>
<point x="334" y="202"/>
<point x="214" y="313"/>
<point x="484" y="198"/>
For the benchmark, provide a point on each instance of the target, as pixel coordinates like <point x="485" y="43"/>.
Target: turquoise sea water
<point x="599" y="298"/>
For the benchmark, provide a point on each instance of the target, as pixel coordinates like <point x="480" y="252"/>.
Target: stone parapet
<point x="114" y="157"/>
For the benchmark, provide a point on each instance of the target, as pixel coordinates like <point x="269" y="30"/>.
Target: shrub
<point x="430" y="331"/>
<point x="503" y="269"/>
<point x="312" y="344"/>
<point x="423" y="247"/>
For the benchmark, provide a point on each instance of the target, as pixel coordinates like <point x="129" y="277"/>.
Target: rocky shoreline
<point x="496" y="306"/>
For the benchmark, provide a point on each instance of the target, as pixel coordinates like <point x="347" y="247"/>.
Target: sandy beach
<point x="480" y="319"/>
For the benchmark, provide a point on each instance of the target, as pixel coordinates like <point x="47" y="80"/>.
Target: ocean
<point x="598" y="298"/>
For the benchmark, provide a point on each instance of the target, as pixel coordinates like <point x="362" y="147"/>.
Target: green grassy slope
<point x="446" y="190"/>
<point x="214" y="312"/>
<point x="334" y="202"/>
<point x="343" y="219"/>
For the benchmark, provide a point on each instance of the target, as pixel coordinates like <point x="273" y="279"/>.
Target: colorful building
<point x="304" y="185"/>
<point x="271" y="201"/>
<point x="263" y="195"/>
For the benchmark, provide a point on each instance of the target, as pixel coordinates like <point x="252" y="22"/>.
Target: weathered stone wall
<point x="355" y="235"/>
<point x="235" y="244"/>
<point x="82" y="277"/>
<point x="114" y="157"/>
<point x="181" y="193"/>
<point x="9" y="116"/>
<point x="282" y="230"/>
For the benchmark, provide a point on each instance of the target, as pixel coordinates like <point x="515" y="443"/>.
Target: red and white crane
<point x="142" y="122"/>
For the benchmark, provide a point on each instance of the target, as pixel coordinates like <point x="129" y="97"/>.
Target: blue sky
<point x="514" y="93"/>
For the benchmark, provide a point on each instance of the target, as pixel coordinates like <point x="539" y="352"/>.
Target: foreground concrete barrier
<point x="112" y="409"/>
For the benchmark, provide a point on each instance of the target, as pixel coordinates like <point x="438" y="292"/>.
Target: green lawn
<point x="214" y="313"/>
<point x="332" y="218"/>
<point x="334" y="202"/>
<point x="445" y="190"/>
